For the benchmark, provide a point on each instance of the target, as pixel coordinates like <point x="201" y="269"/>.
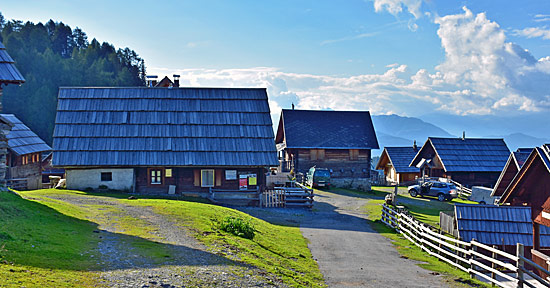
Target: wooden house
<point x="469" y="161"/>
<point x="161" y="140"/>
<point x="338" y="140"/>
<point x="24" y="159"/>
<point x="514" y="163"/>
<point x="531" y="187"/>
<point x="8" y="75"/>
<point x="395" y="161"/>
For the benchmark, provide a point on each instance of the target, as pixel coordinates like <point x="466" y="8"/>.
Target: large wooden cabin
<point x="511" y="169"/>
<point x="338" y="140"/>
<point x="469" y="161"/>
<point x="161" y="140"/>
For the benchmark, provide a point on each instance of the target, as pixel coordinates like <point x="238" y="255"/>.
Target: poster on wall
<point x="230" y="174"/>
<point x="243" y="182"/>
<point x="252" y="179"/>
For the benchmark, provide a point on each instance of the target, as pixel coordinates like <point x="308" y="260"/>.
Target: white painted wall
<point x="80" y="179"/>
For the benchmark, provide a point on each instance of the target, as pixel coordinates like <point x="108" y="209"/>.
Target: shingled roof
<point x="466" y="154"/>
<point x="400" y="158"/>
<point x="21" y="140"/>
<point x="497" y="225"/>
<point x="512" y="167"/>
<point x="8" y="71"/>
<point x="326" y="129"/>
<point x="163" y="127"/>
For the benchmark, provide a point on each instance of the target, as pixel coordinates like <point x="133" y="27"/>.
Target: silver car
<point x="443" y="191"/>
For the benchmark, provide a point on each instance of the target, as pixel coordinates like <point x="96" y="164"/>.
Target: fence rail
<point x="300" y="196"/>
<point x="17" y="183"/>
<point x="477" y="259"/>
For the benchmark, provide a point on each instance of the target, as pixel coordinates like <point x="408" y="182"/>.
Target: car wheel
<point x="413" y="193"/>
<point x="482" y="202"/>
<point x="441" y="197"/>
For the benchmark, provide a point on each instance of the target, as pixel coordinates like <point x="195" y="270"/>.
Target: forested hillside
<point x="52" y="55"/>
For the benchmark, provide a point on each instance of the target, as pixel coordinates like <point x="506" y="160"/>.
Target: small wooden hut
<point x="395" y="161"/>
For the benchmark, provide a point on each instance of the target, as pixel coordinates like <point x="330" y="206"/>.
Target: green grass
<point x="408" y="249"/>
<point x="40" y="247"/>
<point x="280" y="250"/>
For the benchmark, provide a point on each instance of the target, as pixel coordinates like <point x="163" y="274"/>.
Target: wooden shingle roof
<point x="466" y="154"/>
<point x="163" y="127"/>
<point x="326" y="129"/>
<point x="8" y="72"/>
<point x="400" y="158"/>
<point x="21" y="140"/>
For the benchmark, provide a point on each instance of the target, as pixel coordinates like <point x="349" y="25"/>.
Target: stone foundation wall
<point x="362" y="184"/>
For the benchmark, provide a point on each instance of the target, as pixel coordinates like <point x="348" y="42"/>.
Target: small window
<point x="207" y="178"/>
<point x="106" y="176"/>
<point x="168" y="172"/>
<point x="156" y="176"/>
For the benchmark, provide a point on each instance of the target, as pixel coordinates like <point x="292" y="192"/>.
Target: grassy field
<point x="62" y="234"/>
<point x="426" y="210"/>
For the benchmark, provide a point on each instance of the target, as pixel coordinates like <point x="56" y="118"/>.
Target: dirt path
<point x="128" y="261"/>
<point x="351" y="254"/>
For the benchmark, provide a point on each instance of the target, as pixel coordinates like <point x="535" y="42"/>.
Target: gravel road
<point x="188" y="263"/>
<point x="351" y="254"/>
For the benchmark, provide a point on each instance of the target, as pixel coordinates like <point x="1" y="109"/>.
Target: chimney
<point x="176" y="80"/>
<point x="463" y="135"/>
<point x="414" y="145"/>
<point x="292" y="106"/>
<point x="151" y="80"/>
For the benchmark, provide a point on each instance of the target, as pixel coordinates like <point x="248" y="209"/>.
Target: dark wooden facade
<point x="188" y="180"/>
<point x="344" y="163"/>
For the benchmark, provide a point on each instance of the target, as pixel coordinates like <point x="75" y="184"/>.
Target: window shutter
<point x="321" y="154"/>
<point x="313" y="154"/>
<point x="197" y="174"/>
<point x="218" y="174"/>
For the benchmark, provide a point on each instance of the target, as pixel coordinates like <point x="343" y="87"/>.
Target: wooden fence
<point x="477" y="259"/>
<point x="17" y="184"/>
<point x="300" y="196"/>
<point x="236" y="197"/>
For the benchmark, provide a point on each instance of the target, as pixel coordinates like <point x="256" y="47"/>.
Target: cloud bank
<point x="482" y="73"/>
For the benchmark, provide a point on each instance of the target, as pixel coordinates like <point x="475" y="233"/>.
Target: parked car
<point x="443" y="191"/>
<point x="318" y="177"/>
<point x="482" y="195"/>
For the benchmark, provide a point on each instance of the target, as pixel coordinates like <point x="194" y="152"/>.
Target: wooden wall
<point x="27" y="166"/>
<point x="188" y="179"/>
<point x="343" y="162"/>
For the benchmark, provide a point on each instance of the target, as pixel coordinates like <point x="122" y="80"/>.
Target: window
<point x="106" y="176"/>
<point x="353" y="154"/>
<point x="155" y="176"/>
<point x="207" y="178"/>
<point x="168" y="172"/>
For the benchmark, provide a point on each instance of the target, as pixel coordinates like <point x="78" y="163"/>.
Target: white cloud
<point x="534" y="32"/>
<point x="395" y="7"/>
<point x="482" y="74"/>
<point x="542" y="18"/>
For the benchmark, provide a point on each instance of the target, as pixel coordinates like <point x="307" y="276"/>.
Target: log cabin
<point x="531" y="187"/>
<point x="164" y="140"/>
<point x="8" y="75"/>
<point x="511" y="169"/>
<point x="338" y="140"/>
<point x="468" y="161"/>
<point x="24" y="159"/>
<point x="395" y="161"/>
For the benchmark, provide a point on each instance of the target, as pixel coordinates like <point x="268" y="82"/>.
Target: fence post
<point x="519" y="264"/>
<point x="472" y="266"/>
<point x="493" y="265"/>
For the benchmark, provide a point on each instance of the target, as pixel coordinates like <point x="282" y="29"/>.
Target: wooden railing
<point x="299" y="196"/>
<point x="17" y="184"/>
<point x="229" y="196"/>
<point x="477" y="259"/>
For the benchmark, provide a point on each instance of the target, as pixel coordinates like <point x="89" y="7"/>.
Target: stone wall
<point x="80" y="179"/>
<point x="362" y="184"/>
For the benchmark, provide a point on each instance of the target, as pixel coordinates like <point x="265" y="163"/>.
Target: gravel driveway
<point x="351" y="254"/>
<point x="188" y="263"/>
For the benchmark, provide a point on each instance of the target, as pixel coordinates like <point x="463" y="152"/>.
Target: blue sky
<point x="386" y="56"/>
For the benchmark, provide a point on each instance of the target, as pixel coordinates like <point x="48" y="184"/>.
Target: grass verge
<point x="40" y="247"/>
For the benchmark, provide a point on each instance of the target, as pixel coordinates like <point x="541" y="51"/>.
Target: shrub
<point x="103" y="187"/>
<point x="89" y="189"/>
<point x="238" y="227"/>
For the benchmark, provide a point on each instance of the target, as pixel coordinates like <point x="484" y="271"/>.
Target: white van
<point x="482" y="195"/>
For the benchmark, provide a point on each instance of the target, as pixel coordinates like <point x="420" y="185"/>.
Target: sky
<point x="406" y="57"/>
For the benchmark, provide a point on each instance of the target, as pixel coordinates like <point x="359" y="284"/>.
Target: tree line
<point x="52" y="55"/>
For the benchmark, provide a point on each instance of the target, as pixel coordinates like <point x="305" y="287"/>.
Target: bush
<point x="238" y="227"/>
<point x="103" y="187"/>
<point x="89" y="189"/>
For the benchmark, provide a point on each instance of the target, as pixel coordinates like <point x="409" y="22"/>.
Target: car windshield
<point x="322" y="173"/>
